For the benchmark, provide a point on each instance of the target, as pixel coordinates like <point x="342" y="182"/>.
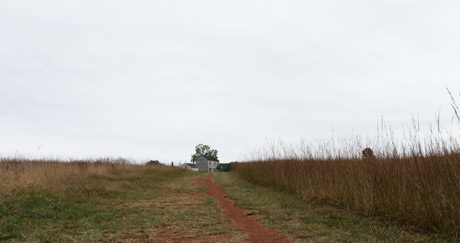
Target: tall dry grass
<point x="418" y="191"/>
<point x="77" y="179"/>
<point x="414" y="181"/>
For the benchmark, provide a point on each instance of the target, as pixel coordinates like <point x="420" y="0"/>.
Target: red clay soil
<point x="248" y="224"/>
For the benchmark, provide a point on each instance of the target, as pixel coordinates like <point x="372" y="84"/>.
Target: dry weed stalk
<point x="414" y="181"/>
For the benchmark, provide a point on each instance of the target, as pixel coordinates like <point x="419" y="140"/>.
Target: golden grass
<point x="24" y="175"/>
<point x="422" y="191"/>
<point x="414" y="181"/>
<point x="312" y="222"/>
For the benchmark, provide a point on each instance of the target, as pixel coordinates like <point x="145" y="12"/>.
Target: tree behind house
<point x="203" y="149"/>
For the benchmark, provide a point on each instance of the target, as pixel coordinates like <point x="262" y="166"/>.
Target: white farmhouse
<point x="206" y="163"/>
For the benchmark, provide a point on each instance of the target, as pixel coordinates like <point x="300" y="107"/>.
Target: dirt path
<point x="248" y="224"/>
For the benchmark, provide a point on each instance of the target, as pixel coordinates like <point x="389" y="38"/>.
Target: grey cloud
<point x="149" y="79"/>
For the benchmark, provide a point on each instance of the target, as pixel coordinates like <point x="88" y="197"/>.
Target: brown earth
<point x="249" y="225"/>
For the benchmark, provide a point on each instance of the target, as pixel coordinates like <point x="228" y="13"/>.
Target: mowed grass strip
<point x="309" y="222"/>
<point x="55" y="201"/>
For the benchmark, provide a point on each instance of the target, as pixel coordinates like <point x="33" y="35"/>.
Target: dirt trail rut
<point x="249" y="225"/>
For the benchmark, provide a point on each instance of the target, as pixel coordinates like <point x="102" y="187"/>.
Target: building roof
<point x="209" y="158"/>
<point x="190" y="165"/>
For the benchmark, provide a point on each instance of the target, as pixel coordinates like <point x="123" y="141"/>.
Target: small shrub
<point x="153" y="162"/>
<point x="368" y="153"/>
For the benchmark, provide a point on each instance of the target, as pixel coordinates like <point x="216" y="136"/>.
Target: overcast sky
<point x="152" y="79"/>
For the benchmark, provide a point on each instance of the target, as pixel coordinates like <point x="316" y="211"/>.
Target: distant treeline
<point x="225" y="167"/>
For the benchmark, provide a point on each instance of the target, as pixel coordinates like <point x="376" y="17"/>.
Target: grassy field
<point x="53" y="201"/>
<point x="419" y="191"/>
<point x="100" y="201"/>
<point x="310" y="222"/>
<point x="412" y="181"/>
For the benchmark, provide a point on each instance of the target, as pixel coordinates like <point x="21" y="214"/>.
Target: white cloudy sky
<point x="151" y="79"/>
